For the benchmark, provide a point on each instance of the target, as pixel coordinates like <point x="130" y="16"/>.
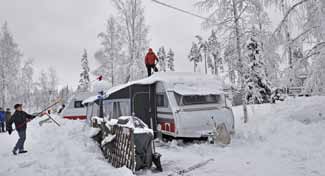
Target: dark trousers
<point x="21" y="141"/>
<point x="150" y="67"/>
<point x="2" y="127"/>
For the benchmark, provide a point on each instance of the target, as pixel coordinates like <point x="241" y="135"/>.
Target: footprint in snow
<point x="26" y="164"/>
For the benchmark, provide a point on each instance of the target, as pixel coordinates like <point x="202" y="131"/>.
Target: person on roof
<point x="150" y="61"/>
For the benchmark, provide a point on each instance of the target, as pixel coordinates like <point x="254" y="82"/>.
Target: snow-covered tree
<point x="230" y="17"/>
<point x="65" y="93"/>
<point x="315" y="28"/>
<point x="170" y="60"/>
<point x="9" y="66"/>
<point x="162" y="58"/>
<point x="131" y="15"/>
<point x="214" y="50"/>
<point x="258" y="88"/>
<point x="111" y="56"/>
<point x="84" y="82"/>
<point x="203" y="47"/>
<point x="195" y="55"/>
<point x="26" y="79"/>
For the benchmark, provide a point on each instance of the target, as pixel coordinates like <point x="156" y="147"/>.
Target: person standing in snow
<point x="2" y="120"/>
<point x="20" y="118"/>
<point x="150" y="61"/>
<point x="7" y="116"/>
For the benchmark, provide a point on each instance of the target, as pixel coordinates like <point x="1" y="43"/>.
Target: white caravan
<point x="180" y="105"/>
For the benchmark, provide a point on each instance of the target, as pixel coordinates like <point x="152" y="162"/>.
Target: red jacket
<point x="150" y="58"/>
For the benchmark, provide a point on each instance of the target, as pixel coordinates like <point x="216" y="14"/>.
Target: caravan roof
<point x="182" y="83"/>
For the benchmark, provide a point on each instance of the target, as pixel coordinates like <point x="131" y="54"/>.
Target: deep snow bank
<point x="284" y="139"/>
<point x="56" y="151"/>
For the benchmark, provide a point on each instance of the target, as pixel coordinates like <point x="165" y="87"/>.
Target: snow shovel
<point x="48" y="120"/>
<point x="45" y="109"/>
<point x="57" y="123"/>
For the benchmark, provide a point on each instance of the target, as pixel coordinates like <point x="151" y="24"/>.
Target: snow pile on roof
<point x="74" y="111"/>
<point x="135" y="123"/>
<point x="182" y="83"/>
<point x="91" y="99"/>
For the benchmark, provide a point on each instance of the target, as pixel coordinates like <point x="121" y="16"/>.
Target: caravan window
<point x="116" y="108"/>
<point x="78" y="104"/>
<point x="162" y="100"/>
<point x="198" y="99"/>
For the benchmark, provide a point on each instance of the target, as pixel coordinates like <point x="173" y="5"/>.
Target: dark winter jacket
<point x="7" y="115"/>
<point x="150" y="58"/>
<point x="20" y="118"/>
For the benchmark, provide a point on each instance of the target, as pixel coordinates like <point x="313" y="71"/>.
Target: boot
<point x="22" y="151"/>
<point x="14" y="151"/>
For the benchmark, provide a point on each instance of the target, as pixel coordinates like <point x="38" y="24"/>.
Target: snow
<point x="135" y="123"/>
<point x="56" y="151"/>
<point x="180" y="82"/>
<point x="183" y="83"/>
<point x="274" y="142"/>
<point x="284" y="139"/>
<point x="90" y="99"/>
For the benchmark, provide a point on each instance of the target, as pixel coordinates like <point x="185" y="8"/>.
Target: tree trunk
<point x="241" y="70"/>
<point x="205" y="63"/>
<point x="216" y="72"/>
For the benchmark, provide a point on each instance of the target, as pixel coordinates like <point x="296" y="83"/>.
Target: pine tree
<point x="170" y="60"/>
<point x="195" y="55"/>
<point x="84" y="82"/>
<point x="258" y="89"/>
<point x="214" y="49"/>
<point x="162" y="58"/>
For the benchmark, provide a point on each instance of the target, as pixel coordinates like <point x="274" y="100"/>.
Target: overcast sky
<point x="54" y="32"/>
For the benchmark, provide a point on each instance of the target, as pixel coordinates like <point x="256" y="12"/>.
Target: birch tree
<point x="26" y="79"/>
<point x="9" y="65"/>
<point x="230" y="17"/>
<point x="111" y="56"/>
<point x="131" y="14"/>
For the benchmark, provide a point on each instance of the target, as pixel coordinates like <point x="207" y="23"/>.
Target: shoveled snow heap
<point x="285" y="139"/>
<point x="56" y="151"/>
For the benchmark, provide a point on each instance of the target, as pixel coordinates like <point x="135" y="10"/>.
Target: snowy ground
<point x="55" y="151"/>
<point x="285" y="139"/>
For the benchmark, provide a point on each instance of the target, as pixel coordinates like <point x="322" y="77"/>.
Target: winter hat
<point x="18" y="105"/>
<point x="150" y="50"/>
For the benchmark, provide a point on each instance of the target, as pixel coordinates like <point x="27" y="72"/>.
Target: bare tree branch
<point x="285" y="18"/>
